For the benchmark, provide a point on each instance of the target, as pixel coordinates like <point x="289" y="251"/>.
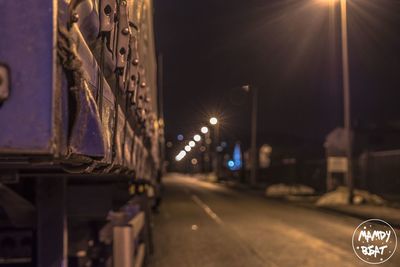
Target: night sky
<point x="290" y="50"/>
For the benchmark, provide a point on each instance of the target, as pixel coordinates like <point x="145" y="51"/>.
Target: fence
<point x="379" y="172"/>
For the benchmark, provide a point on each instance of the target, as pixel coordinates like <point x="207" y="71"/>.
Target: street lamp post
<point x="253" y="148"/>
<point x="346" y="98"/>
<point x="216" y="161"/>
<point x="206" y="153"/>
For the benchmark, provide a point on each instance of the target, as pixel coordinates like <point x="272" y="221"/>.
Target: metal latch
<point x="123" y="36"/>
<point x="107" y="15"/>
<point x="4" y="83"/>
<point x="133" y="69"/>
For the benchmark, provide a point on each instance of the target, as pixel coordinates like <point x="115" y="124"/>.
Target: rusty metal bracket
<point x="107" y="15"/>
<point x="133" y="69"/>
<point x="4" y="83"/>
<point x="123" y="36"/>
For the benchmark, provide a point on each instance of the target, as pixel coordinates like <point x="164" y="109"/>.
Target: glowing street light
<point x="213" y="121"/>
<point x="197" y="138"/>
<point x="194" y="161"/>
<point x="204" y="130"/>
<point x="180" y="156"/>
<point x="188" y="148"/>
<point x="179" y="137"/>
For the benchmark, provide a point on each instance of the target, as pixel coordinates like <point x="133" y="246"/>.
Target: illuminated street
<point x="204" y="224"/>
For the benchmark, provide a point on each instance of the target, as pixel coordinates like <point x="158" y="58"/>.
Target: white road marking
<point x="207" y="209"/>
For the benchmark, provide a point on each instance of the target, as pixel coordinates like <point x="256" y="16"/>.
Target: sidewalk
<point x="389" y="212"/>
<point x="365" y="212"/>
<point x="362" y="211"/>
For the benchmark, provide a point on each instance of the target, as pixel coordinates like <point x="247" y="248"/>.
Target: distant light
<point x="188" y="148"/>
<point x="204" y="130"/>
<point x="81" y="253"/>
<point x="202" y="148"/>
<point x="224" y="144"/>
<point x="179" y="137"/>
<point x="246" y="88"/>
<point x="231" y="164"/>
<point x="213" y="121"/>
<point x="208" y="141"/>
<point x="219" y="148"/>
<point x="194" y="161"/>
<point x="180" y="156"/>
<point x="197" y="138"/>
<point x="169" y="144"/>
<point x="237" y="158"/>
<point x="192" y="144"/>
<point x="235" y="164"/>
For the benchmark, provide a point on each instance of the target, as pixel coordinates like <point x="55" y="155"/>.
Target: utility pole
<point x="208" y="152"/>
<point x="346" y="99"/>
<point x="217" y="153"/>
<point x="254" y="158"/>
<point x="253" y="148"/>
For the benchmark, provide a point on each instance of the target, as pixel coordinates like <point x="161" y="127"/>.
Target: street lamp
<point x="188" y="148"/>
<point x="346" y="95"/>
<point x="197" y="138"/>
<point x="213" y="121"/>
<point x="192" y="144"/>
<point x="216" y="160"/>
<point x="204" y="130"/>
<point x="180" y="156"/>
<point x="205" y="163"/>
<point x="346" y="98"/>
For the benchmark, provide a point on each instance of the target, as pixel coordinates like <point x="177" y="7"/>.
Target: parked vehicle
<point x="81" y="132"/>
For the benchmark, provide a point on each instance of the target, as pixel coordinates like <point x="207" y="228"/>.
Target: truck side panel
<point x="27" y="50"/>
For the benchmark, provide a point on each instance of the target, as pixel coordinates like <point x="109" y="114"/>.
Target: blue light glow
<point x="237" y="158"/>
<point x="231" y="164"/>
<point x="235" y="164"/>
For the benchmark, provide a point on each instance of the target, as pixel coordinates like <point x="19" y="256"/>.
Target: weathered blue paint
<point x="86" y="135"/>
<point x="26" y="47"/>
<point x="69" y="98"/>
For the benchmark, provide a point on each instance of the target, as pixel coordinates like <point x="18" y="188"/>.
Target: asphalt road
<point x="204" y="224"/>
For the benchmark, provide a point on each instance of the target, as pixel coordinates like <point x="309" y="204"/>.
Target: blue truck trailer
<point x="81" y="132"/>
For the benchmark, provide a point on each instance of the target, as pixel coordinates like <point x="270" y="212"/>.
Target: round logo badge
<point x="374" y="241"/>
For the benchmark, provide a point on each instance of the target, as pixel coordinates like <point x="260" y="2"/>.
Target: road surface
<point x="203" y="224"/>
